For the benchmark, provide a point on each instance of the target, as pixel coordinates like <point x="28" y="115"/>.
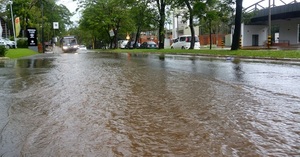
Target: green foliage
<point x="3" y="51"/>
<point x="22" y="43"/>
<point x="30" y="14"/>
<point x="99" y="17"/>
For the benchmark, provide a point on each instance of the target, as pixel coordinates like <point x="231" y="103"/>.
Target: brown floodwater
<point x="115" y="105"/>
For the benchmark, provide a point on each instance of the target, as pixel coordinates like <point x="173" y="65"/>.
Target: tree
<point x="30" y="15"/>
<point x="237" y="28"/>
<point x="161" y="6"/>
<point x="188" y="15"/>
<point x="191" y="19"/>
<point x="210" y="12"/>
<point x="216" y="15"/>
<point x="144" y="17"/>
<point x="103" y="16"/>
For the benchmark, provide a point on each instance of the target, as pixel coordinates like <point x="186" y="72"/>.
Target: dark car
<point x="130" y="45"/>
<point x="148" y="45"/>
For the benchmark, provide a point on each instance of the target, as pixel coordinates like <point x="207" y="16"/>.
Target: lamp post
<point x="42" y="10"/>
<point x="12" y="21"/>
<point x="269" y="30"/>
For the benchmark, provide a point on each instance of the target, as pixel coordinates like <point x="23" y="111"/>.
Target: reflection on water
<point x="27" y="63"/>
<point x="34" y="63"/>
<point x="97" y="104"/>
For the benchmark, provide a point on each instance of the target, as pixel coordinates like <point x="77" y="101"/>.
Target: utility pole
<point x="42" y="36"/>
<point x="270" y="29"/>
<point x="12" y="22"/>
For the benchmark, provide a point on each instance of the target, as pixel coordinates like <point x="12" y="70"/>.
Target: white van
<point x="184" y="42"/>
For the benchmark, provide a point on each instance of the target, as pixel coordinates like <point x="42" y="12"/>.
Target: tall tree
<point x="161" y="5"/>
<point x="237" y="23"/>
<point x="103" y="16"/>
<point x="216" y="14"/>
<point x="29" y="12"/>
<point x="189" y="5"/>
<point x="188" y="15"/>
<point x="144" y="17"/>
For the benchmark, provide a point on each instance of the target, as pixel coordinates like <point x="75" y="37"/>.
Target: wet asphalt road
<point x="102" y="104"/>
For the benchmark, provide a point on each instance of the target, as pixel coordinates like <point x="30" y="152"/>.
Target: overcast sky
<point x="72" y="5"/>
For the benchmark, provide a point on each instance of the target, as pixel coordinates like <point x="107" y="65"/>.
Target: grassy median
<point x="19" y="52"/>
<point x="273" y="54"/>
<point x="270" y="54"/>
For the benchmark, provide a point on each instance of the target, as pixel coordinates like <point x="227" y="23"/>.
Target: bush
<point x="22" y="43"/>
<point x="3" y="51"/>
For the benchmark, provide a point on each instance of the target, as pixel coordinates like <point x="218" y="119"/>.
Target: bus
<point x="69" y="44"/>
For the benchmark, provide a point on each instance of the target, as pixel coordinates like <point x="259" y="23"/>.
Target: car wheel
<point x="183" y="47"/>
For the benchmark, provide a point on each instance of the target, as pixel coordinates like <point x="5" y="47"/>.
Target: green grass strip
<point x="19" y="52"/>
<point x="279" y="54"/>
<point x="273" y="54"/>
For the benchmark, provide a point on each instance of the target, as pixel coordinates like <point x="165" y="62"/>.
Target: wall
<point x="288" y="30"/>
<point x="249" y="30"/>
<point x="228" y="40"/>
<point x="216" y="39"/>
<point x="187" y="30"/>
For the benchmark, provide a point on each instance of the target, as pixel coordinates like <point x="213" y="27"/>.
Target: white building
<point x="286" y="18"/>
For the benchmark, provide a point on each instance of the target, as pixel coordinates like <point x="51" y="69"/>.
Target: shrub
<point x="2" y="50"/>
<point x="22" y="43"/>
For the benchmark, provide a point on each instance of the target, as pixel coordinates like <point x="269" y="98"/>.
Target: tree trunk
<point x="210" y="36"/>
<point x="237" y="28"/>
<point x="115" y="38"/>
<point x="192" y="33"/>
<point x="137" y="36"/>
<point x="161" y="30"/>
<point x="116" y="32"/>
<point x="191" y="24"/>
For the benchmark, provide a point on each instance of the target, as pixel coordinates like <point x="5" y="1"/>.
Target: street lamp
<point x="269" y="30"/>
<point x="12" y="21"/>
<point x="42" y="10"/>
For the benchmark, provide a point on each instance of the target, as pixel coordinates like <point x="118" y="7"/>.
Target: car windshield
<point x="69" y="41"/>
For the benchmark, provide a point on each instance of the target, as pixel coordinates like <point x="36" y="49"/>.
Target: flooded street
<point x="115" y="105"/>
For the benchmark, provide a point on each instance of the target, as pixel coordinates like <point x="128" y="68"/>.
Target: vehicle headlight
<point x="65" y="47"/>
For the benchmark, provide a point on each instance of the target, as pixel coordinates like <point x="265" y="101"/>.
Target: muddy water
<point x="107" y="105"/>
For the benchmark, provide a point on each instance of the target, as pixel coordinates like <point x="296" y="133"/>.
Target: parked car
<point x="123" y="43"/>
<point x="82" y="47"/>
<point x="11" y="44"/>
<point x="130" y="45"/>
<point x="148" y="45"/>
<point x="184" y="42"/>
<point x="3" y="43"/>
